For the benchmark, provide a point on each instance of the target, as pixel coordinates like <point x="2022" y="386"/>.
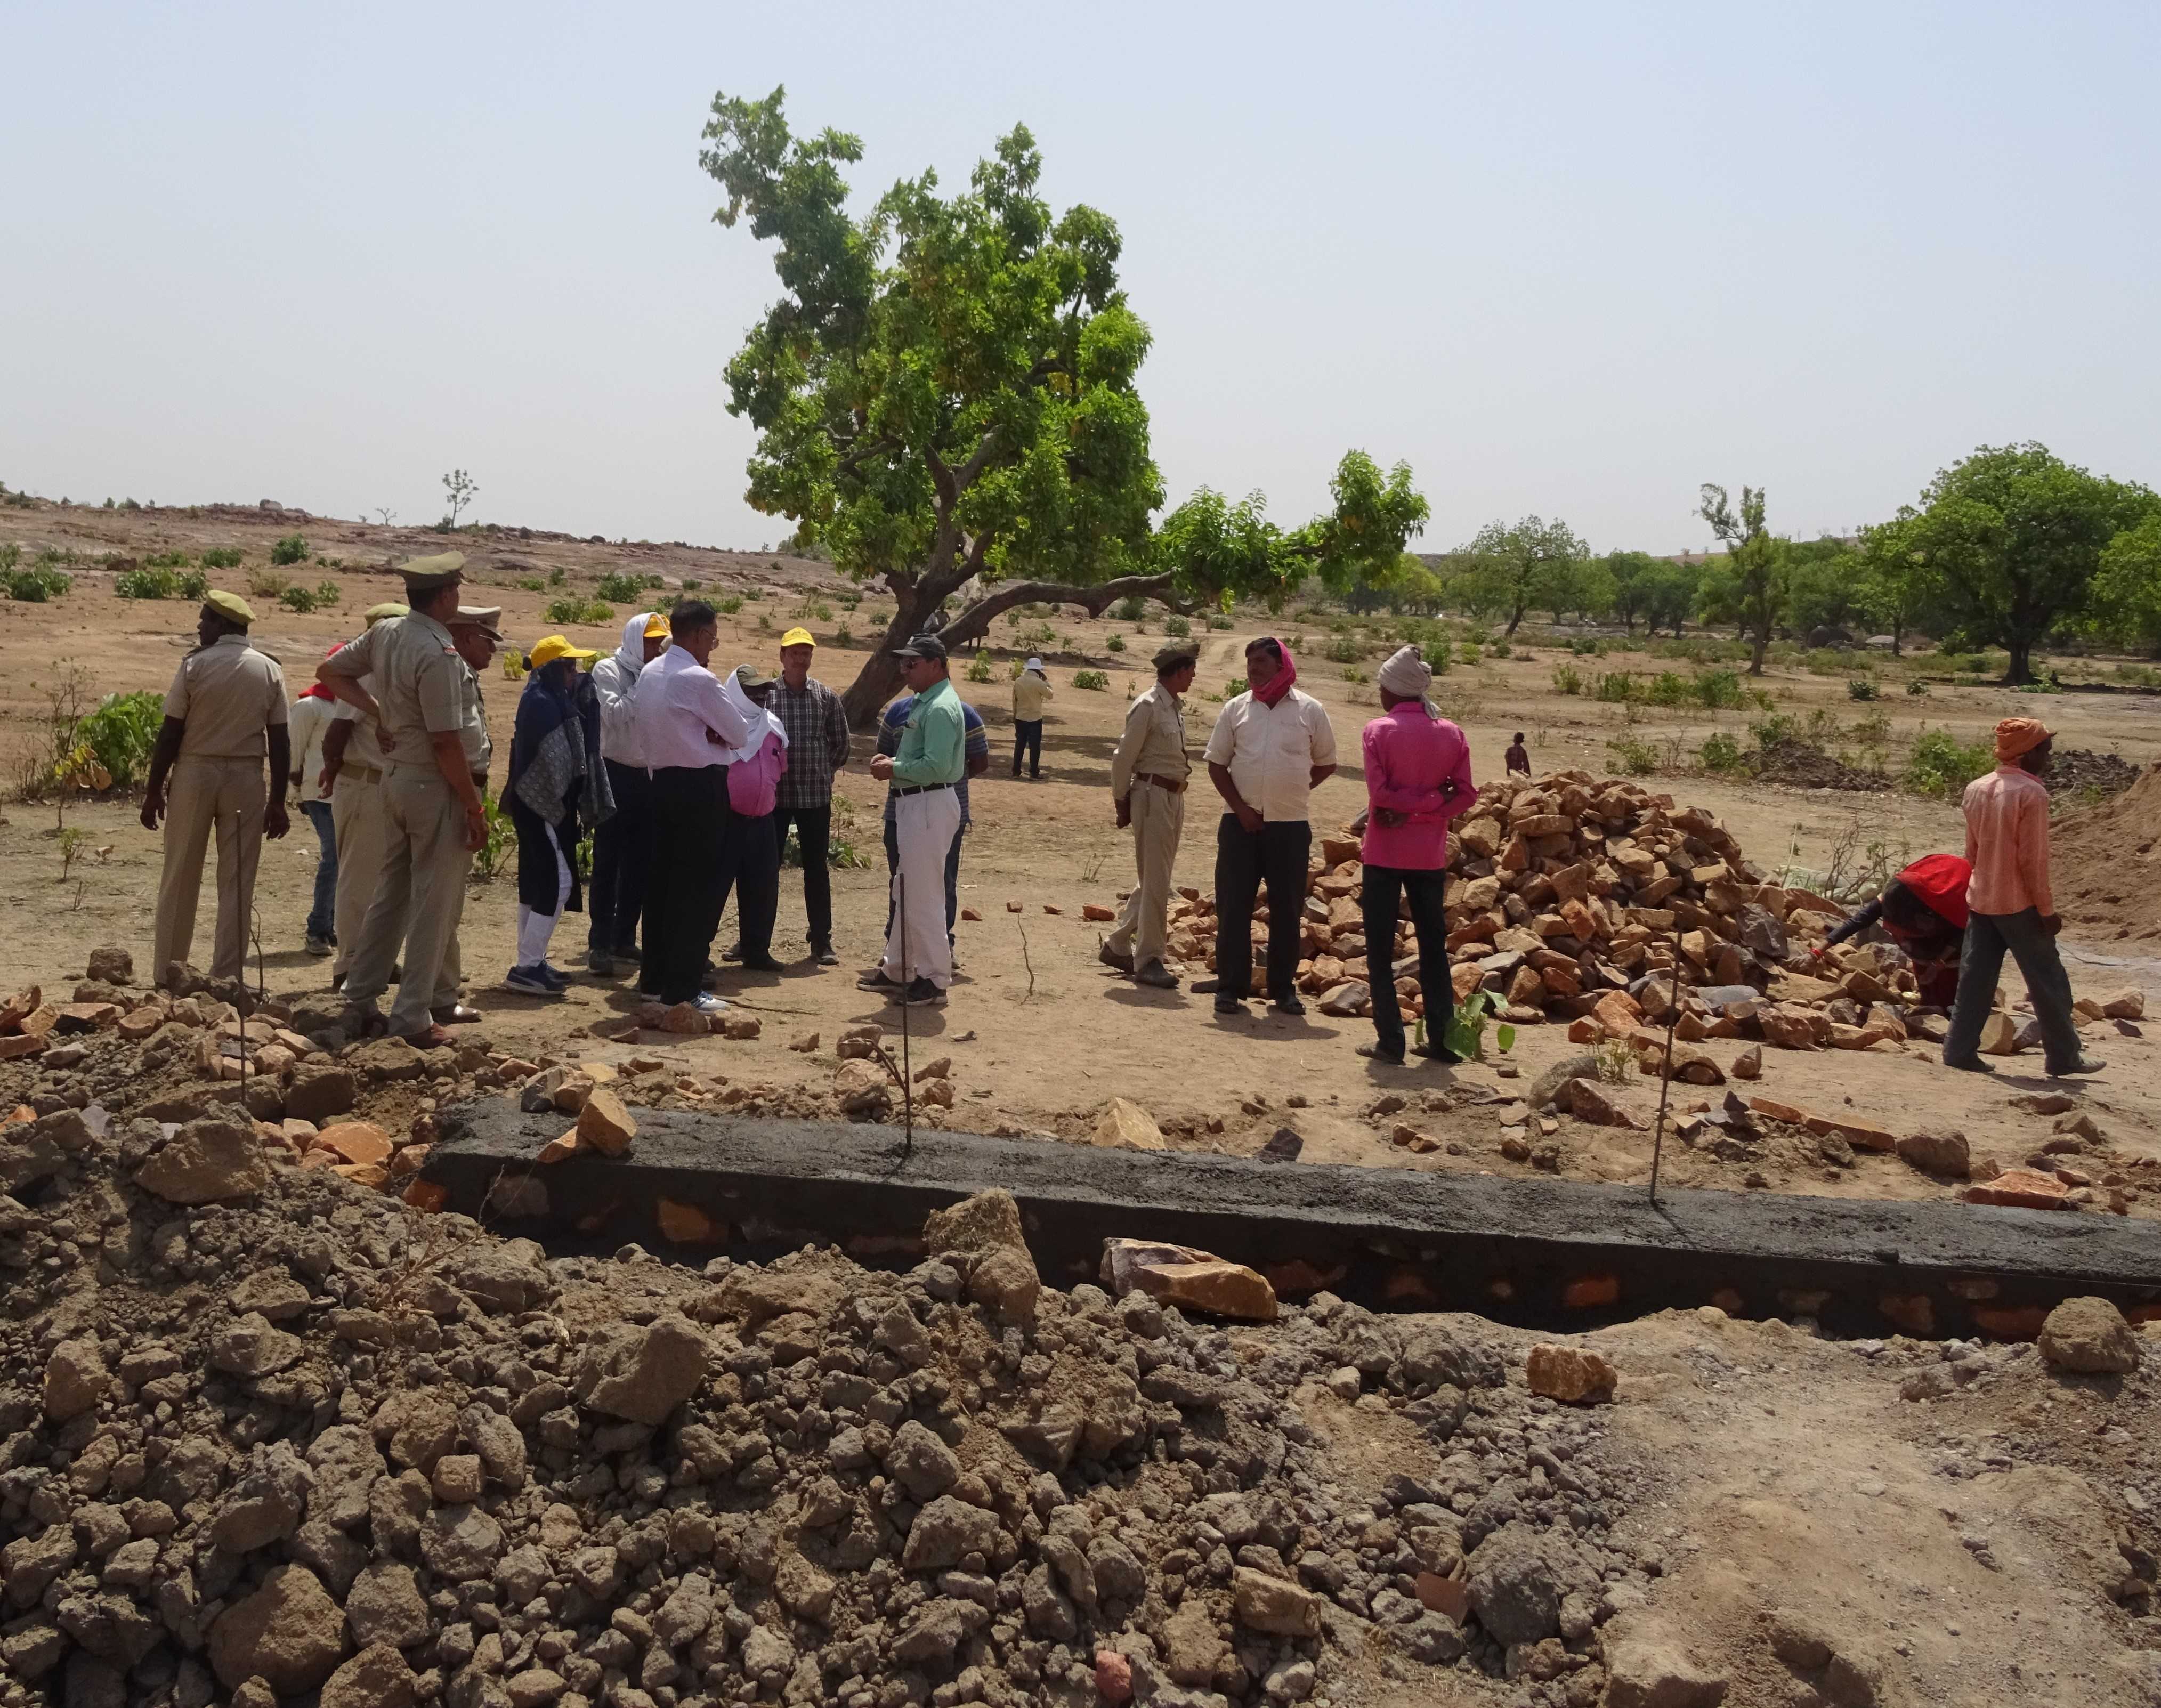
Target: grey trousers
<point x="1987" y="936"/>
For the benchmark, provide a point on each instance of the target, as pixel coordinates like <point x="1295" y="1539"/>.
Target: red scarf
<point x="1283" y="681"/>
<point x="1940" y="881"/>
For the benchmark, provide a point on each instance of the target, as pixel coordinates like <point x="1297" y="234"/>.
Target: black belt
<point x="923" y="788"/>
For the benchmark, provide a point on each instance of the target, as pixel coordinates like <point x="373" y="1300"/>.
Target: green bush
<point x="146" y="583"/>
<point x="1218" y="620"/>
<point x="1116" y="644"/>
<point x="689" y="584"/>
<point x="1587" y="648"/>
<point x="573" y="609"/>
<point x="1567" y="678"/>
<point x="1091" y="679"/>
<point x="36" y="584"/>
<point x="1470" y="653"/>
<point x="619" y="586"/>
<point x="1718" y="691"/>
<point x="1177" y="626"/>
<point x="1670" y="687"/>
<point x="1916" y="686"/>
<point x="1234" y="687"/>
<point x="1720" y="753"/>
<point x="301" y="599"/>
<point x="979" y="667"/>
<point x="166" y="561"/>
<point x="1941" y="765"/>
<point x="530" y="584"/>
<point x="1501" y="649"/>
<point x="1861" y="688"/>
<point x="267" y="584"/>
<point x="731" y="605"/>
<point x="291" y="549"/>
<point x="220" y="557"/>
<point x="1129" y="610"/>
<point x="121" y="732"/>
<point x="1633" y="755"/>
<point x="1344" y="650"/>
<point x="1617" y="688"/>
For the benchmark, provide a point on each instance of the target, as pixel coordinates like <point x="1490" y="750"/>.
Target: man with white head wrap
<point x="1418" y="778"/>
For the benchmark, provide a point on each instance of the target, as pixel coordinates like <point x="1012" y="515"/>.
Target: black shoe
<point x="1110" y="957"/>
<point x="732" y="952"/>
<point x="764" y="963"/>
<point x="1437" y="1052"/>
<point x="2085" y="1065"/>
<point x="876" y="980"/>
<point x="1973" y="1065"/>
<point x="1229" y="1005"/>
<point x="1289" y="1005"/>
<point x="1373" y="1052"/>
<point x="1157" y="976"/>
<point x="921" y="993"/>
<point x="823" y="954"/>
<point x="1208" y="987"/>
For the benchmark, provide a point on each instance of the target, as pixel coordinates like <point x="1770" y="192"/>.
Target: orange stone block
<point x="1589" y="1292"/>
<point x="426" y="1195"/>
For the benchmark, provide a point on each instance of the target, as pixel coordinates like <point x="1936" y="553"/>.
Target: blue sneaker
<point x="705" y="1003"/>
<point x="531" y="980"/>
<point x="555" y="975"/>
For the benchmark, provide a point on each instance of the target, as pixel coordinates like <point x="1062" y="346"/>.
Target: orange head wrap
<point x="2019" y="735"/>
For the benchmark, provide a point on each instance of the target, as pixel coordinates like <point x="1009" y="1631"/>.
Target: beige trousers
<point x="358" y="822"/>
<point x="201" y="794"/>
<point x="1158" y="820"/>
<point x="418" y="900"/>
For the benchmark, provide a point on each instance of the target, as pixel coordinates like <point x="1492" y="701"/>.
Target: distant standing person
<point x="817" y="725"/>
<point x="1418" y="778"/>
<point x="1148" y="775"/>
<point x="1272" y="747"/>
<point x="225" y="710"/>
<point x="755" y="770"/>
<point x="919" y="956"/>
<point x="557" y="780"/>
<point x="2010" y="906"/>
<point x="1519" y="757"/>
<point x="1031" y="693"/>
<point x="977" y="762"/>
<point x="623" y="843"/>
<point x="307" y="722"/>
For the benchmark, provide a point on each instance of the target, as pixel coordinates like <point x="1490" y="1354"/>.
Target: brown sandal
<point x="430" y="1037"/>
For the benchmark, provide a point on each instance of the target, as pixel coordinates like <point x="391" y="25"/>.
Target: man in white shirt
<point x="685" y="724"/>
<point x="1271" y="748"/>
<point x="623" y="843"/>
<point x="307" y="721"/>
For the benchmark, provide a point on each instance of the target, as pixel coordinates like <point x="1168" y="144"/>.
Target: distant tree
<point x="1899" y="588"/>
<point x="1519" y="569"/>
<point x="459" y="486"/>
<point x="2127" y="592"/>
<point x="1749" y="587"/>
<point x="388" y="516"/>
<point x="946" y="393"/>
<point x="1670" y="592"/>
<point x="1632" y="573"/>
<point x="2016" y="534"/>
<point x="1828" y="589"/>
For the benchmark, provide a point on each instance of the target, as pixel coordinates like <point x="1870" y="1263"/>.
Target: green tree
<point x="1517" y="568"/>
<point x="1632" y="574"/>
<point x="945" y="396"/>
<point x="2127" y="592"/>
<point x="1828" y="588"/>
<point x="458" y="486"/>
<point x="2015" y="535"/>
<point x="1899" y="587"/>
<point x="1750" y="586"/>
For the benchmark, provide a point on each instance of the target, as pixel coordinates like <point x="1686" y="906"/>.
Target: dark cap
<point x="1172" y="659"/>
<point x="924" y="646"/>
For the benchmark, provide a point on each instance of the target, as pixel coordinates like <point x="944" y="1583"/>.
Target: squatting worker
<point x="556" y="780"/>
<point x="1272" y="747"/>
<point x="475" y="631"/>
<point x="685" y="724"/>
<point x="919" y="957"/>
<point x="1517" y="759"/>
<point x="224" y="713"/>
<point x="2009" y="905"/>
<point x="1031" y="693"/>
<point x="623" y="843"/>
<point x="1924" y="908"/>
<point x="1418" y="778"/>
<point x="352" y="777"/>
<point x="817" y="727"/>
<point x="1148" y="775"/>
<point x="433" y="816"/>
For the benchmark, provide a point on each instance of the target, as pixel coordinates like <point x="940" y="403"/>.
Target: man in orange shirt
<point x="2009" y="906"/>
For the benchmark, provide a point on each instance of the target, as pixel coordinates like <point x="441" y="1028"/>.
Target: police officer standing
<point x="434" y="818"/>
<point x="352" y="777"/>
<point x="475" y="631"/>
<point x="225" y="708"/>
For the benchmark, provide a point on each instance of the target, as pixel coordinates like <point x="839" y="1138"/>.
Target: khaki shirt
<point x="1153" y="743"/>
<point x="228" y="694"/>
<point x="472" y="733"/>
<point x="362" y="748"/>
<point x="417" y="678"/>
<point x="1030" y="692"/>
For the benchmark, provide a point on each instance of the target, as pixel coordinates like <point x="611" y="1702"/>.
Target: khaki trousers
<point x="228" y="794"/>
<point x="419" y="900"/>
<point x="1158" y="820"/>
<point x="356" y="820"/>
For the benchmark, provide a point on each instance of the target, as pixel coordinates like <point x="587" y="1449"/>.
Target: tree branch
<point x="965" y="476"/>
<point x="972" y="623"/>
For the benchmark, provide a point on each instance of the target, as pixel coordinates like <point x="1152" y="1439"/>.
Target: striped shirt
<point x="817" y="726"/>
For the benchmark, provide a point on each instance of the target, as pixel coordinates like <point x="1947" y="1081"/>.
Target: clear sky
<point x="1567" y="258"/>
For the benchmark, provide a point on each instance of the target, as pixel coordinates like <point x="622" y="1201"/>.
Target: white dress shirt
<point x="676" y="702"/>
<point x="1271" y="750"/>
<point x="306" y="723"/>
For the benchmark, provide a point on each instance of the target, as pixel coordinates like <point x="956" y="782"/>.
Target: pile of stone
<point x="272" y="1437"/>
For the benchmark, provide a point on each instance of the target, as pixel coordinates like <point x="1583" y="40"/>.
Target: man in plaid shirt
<point x="817" y="749"/>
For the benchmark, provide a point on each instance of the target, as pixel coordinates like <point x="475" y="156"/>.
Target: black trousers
<point x="1245" y="860"/>
<point x="683" y="879"/>
<point x="622" y="848"/>
<point x="751" y="868"/>
<point x="1377" y="900"/>
<point x="814" y="835"/>
<point x="1027" y="738"/>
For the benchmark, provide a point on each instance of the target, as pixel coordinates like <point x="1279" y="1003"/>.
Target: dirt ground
<point x="1041" y="1033"/>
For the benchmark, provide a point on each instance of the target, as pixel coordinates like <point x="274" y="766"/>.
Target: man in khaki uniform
<point x="352" y="773"/>
<point x="1148" y="775"/>
<point x="433" y="812"/>
<point x="475" y="631"/>
<point x="225" y="710"/>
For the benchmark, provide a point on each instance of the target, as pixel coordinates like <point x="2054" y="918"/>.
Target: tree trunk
<point x="879" y="679"/>
<point x="2022" y="669"/>
<point x="1758" y="644"/>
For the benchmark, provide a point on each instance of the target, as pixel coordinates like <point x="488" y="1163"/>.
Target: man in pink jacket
<point x="1418" y="778"/>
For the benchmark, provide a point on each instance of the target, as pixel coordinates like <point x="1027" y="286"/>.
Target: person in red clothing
<point x="1924" y="908"/>
<point x="1418" y="778"/>
<point x="2010" y="906"/>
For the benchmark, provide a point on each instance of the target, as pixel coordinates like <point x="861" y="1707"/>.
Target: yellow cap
<point x="550" y="647"/>
<point x="229" y="606"/>
<point x="384" y="611"/>
<point x="656" y="625"/>
<point x="798" y="638"/>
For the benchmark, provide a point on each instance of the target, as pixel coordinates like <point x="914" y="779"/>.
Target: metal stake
<point x="907" y="979"/>
<point x="1666" y="1073"/>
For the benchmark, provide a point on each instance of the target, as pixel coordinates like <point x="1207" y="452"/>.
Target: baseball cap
<point x="549" y="647"/>
<point x="798" y="638"/>
<point x="656" y="625"/>
<point x="923" y="646"/>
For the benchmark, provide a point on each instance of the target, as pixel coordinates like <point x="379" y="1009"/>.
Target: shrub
<point x="265" y="583"/>
<point x="1130" y="609"/>
<point x="1501" y="649"/>
<point x="731" y="605"/>
<point x="1720" y="753"/>
<point x="293" y="549"/>
<point x="1116" y="644"/>
<point x="843" y="636"/>
<point x="1091" y="679"/>
<point x="220" y="557"/>
<point x="1584" y="648"/>
<point x="1916" y="686"/>
<point x="146" y="583"/>
<point x="1633" y="755"/>
<point x="121" y="732"/>
<point x="619" y="586"/>
<point x="1567" y="678"/>
<point x="573" y="609"/>
<point x="1670" y="687"/>
<point x="689" y="584"/>
<point x="166" y="561"/>
<point x="1218" y="620"/>
<point x="1718" y="691"/>
<point x="1344" y="650"/>
<point x="979" y="667"/>
<point x="530" y="584"/>
<point x="1177" y="626"/>
<point x="556" y="578"/>
<point x="36" y="585"/>
<point x="1470" y="653"/>
<point x="1351" y="673"/>
<point x="1617" y="688"/>
<point x="1861" y="688"/>
<point x="1941" y="765"/>
<point x="297" y="599"/>
<point x="1234" y="687"/>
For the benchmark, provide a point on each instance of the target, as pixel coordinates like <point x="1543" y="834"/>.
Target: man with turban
<point x="2009" y="906"/>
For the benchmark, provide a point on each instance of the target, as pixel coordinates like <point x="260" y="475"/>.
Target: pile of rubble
<point x="272" y="1437"/>
<point x="1567" y="899"/>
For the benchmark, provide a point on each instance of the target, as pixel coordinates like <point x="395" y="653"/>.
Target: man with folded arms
<point x="918" y="959"/>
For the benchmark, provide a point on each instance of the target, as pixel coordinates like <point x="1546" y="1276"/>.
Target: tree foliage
<point x="2126" y="591"/>
<point x="1531" y="566"/>
<point x="945" y="394"/>
<point x="1751" y="585"/>
<point x="2014" y="535"/>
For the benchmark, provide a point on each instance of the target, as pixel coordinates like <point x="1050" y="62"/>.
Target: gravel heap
<point x="270" y="1436"/>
